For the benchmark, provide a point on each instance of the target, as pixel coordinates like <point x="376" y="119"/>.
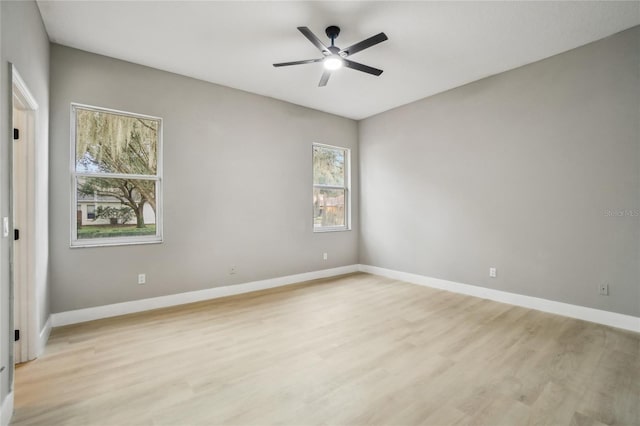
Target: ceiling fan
<point x="334" y="57"/>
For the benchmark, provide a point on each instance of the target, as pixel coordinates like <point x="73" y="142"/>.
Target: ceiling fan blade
<point x="364" y="44"/>
<point x="360" y="67"/>
<point x="315" y="40"/>
<point x="325" y="78"/>
<point x="307" y="61"/>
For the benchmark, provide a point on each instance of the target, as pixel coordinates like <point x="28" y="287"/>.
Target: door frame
<point x="24" y="292"/>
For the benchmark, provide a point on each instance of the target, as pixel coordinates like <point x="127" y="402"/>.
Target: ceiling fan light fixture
<point x="332" y="62"/>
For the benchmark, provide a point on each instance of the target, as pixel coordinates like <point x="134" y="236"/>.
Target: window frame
<point x="346" y="188"/>
<point x="75" y="242"/>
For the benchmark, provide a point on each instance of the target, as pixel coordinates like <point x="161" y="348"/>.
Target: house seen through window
<point x="330" y="188"/>
<point x="116" y="177"/>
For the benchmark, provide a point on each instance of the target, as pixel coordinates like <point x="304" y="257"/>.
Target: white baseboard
<point x="612" y="319"/>
<point x="106" y="311"/>
<point x="6" y="411"/>
<point x="43" y="337"/>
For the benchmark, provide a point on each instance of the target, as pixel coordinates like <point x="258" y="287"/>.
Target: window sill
<point x="323" y="230"/>
<point x="93" y="243"/>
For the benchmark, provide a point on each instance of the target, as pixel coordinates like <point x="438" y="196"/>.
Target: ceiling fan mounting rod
<point x="332" y="32"/>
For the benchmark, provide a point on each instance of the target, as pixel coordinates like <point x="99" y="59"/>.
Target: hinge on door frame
<point x="16" y="335"/>
<point x="16" y="134"/>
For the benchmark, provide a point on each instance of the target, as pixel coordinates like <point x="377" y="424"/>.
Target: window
<point x="330" y="188"/>
<point x="116" y="177"/>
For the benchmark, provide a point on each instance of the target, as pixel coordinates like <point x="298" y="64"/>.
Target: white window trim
<point x="346" y="188"/>
<point x="120" y="241"/>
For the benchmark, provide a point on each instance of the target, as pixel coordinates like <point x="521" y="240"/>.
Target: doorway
<point x="23" y="219"/>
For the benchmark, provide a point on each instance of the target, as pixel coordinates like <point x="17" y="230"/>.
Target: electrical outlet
<point x="232" y="270"/>
<point x="142" y="278"/>
<point x="493" y="272"/>
<point x="325" y="256"/>
<point x="603" y="289"/>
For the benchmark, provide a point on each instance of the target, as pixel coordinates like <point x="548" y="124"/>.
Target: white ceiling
<point x="432" y="46"/>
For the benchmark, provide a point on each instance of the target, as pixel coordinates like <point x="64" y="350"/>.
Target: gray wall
<point x="237" y="185"/>
<point x="515" y="171"/>
<point x="24" y="43"/>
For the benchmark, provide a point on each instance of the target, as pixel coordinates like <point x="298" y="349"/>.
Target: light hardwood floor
<point x="354" y="350"/>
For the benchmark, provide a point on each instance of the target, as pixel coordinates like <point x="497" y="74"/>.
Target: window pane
<point x="328" y="166"/>
<point x="115" y="208"/>
<point x="328" y="207"/>
<point x="115" y="143"/>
